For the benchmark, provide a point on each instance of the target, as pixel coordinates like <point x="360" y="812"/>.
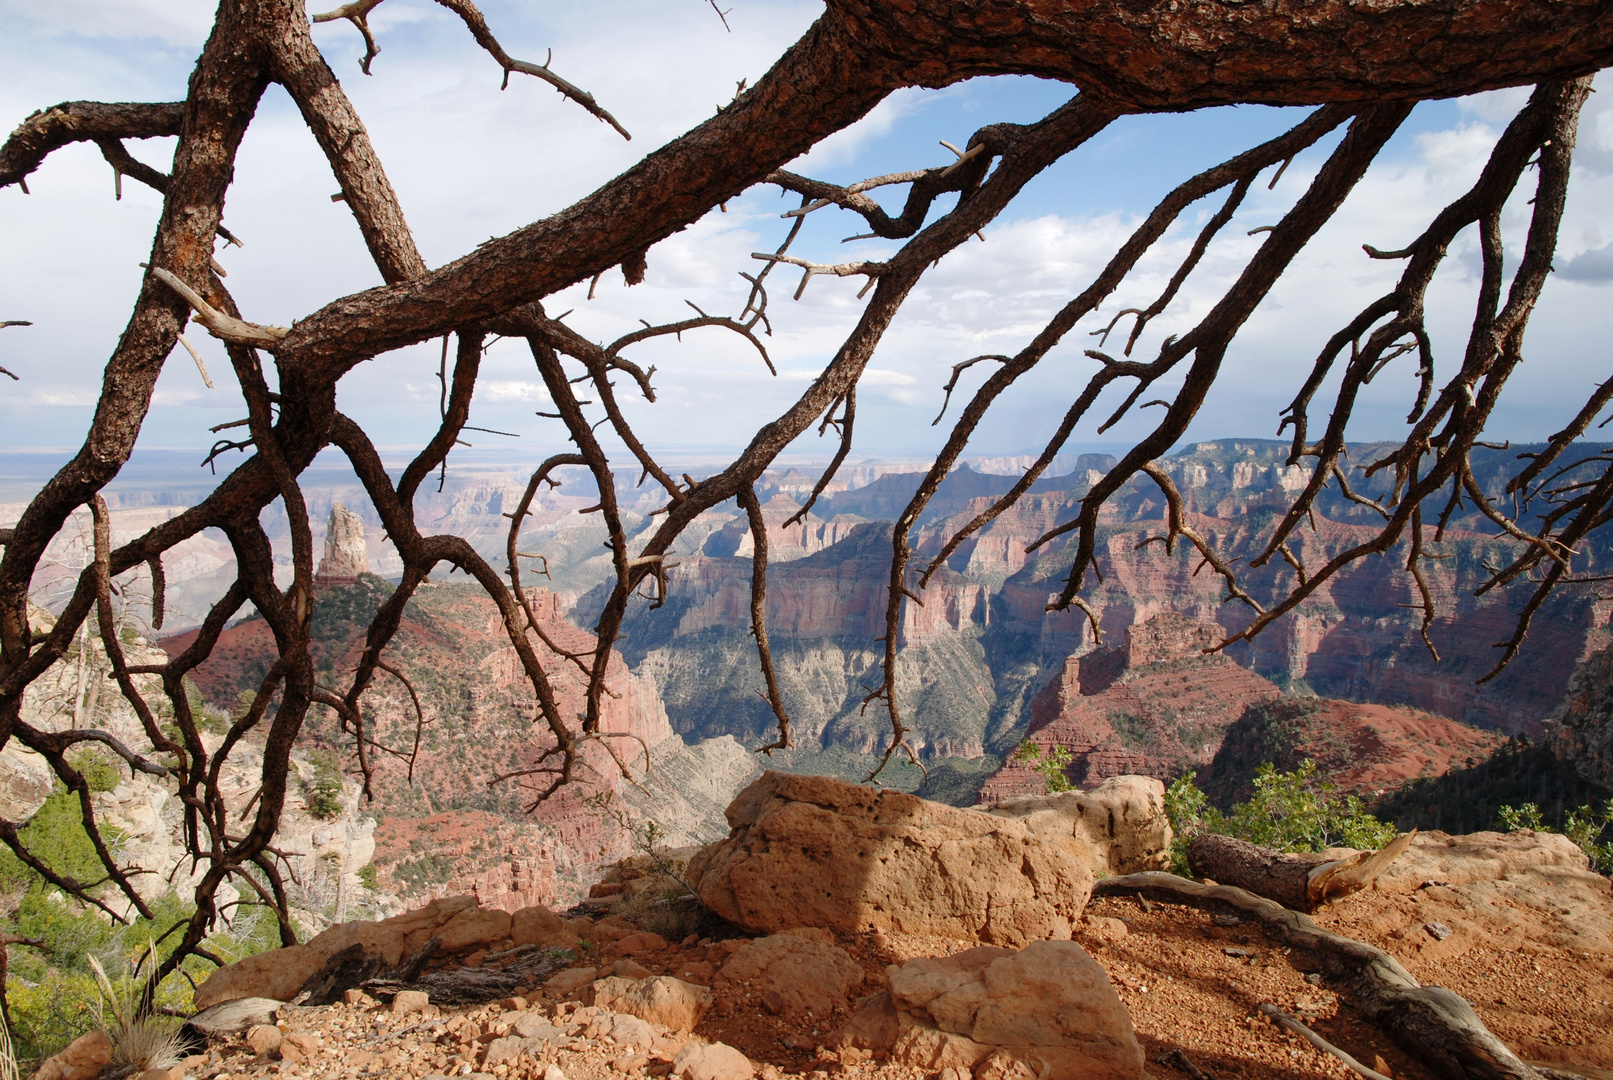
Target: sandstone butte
<point x="889" y="1000"/>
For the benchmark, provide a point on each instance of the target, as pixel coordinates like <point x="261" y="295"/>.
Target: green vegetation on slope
<point x="1289" y="811"/>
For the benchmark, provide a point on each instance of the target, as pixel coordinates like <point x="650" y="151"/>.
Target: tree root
<point x="1440" y="1027"/>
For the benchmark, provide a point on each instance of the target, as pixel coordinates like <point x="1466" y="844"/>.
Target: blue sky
<point x="472" y="162"/>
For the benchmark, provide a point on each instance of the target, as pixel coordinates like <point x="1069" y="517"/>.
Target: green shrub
<point x="1584" y="826"/>
<point x="1052" y="763"/>
<point x="324" y="795"/>
<point x="1289" y="811"/>
<point x="366" y="874"/>
<point x="98" y="766"/>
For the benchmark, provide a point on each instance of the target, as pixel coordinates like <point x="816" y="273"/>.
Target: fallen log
<point x="1303" y="881"/>
<point x="1440" y="1027"/>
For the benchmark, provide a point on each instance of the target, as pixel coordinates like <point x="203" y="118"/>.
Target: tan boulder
<point x="814" y="851"/>
<point x="540" y="926"/>
<point x="794" y="975"/>
<point x="564" y="982"/>
<point x="671" y="1003"/>
<point x="1049" y="1007"/>
<point x="1122" y="821"/>
<point x="1484" y="856"/>
<point x="280" y="973"/>
<point x="712" y="1061"/>
<point x="474" y="926"/>
<point x="83" y="1059"/>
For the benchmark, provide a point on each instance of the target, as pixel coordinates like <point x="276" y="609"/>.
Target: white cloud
<point x="470" y="162"/>
<point x="512" y="390"/>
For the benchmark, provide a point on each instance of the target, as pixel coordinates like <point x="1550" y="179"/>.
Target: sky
<point x="470" y="162"/>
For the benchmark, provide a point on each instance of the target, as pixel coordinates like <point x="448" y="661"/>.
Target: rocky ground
<point x="1192" y="984"/>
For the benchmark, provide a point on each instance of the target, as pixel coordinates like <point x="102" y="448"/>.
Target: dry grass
<point x="140" y="1038"/>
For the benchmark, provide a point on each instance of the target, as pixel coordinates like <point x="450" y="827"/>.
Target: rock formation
<point x="1367" y="750"/>
<point x="448" y="832"/>
<point x="809" y="851"/>
<point x="1581" y="728"/>
<point x="1157" y="705"/>
<point x="1121" y="822"/>
<point x="346" y="556"/>
<point x="1048" y="1008"/>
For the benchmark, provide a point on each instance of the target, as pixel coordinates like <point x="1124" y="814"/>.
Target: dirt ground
<point x="1541" y="978"/>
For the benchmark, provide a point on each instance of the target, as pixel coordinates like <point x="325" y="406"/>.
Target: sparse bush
<point x="1053" y="763"/>
<point x="1584" y="826"/>
<point x="366" y="874"/>
<point x="1289" y="811"/>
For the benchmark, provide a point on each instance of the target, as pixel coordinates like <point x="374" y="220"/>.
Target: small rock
<point x="532" y="1026"/>
<point x="410" y="1001"/>
<point x="508" y="1048"/>
<point x="712" y="1061"/>
<point x="1226" y="920"/>
<point x="553" y="1072"/>
<point x="632" y="969"/>
<point x="354" y="997"/>
<point x="635" y="943"/>
<point x="625" y="1064"/>
<point x="264" y="1039"/>
<point x="1438" y="930"/>
<point x="173" y="1072"/>
<point x="1001" y="1065"/>
<point x="1104" y="930"/>
<point x="1314" y="978"/>
<point x="629" y="1030"/>
<point x="1230" y="951"/>
<point x="569" y="980"/>
<point x="1380" y="1065"/>
<point x="514" y="1004"/>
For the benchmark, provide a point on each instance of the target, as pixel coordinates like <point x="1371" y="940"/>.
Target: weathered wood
<point x="230" y="1017"/>
<point x="1440" y="1027"/>
<point x="1303" y="881"/>
<point x="470" y="986"/>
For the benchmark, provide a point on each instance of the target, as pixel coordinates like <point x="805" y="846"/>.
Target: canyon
<point x="984" y="666"/>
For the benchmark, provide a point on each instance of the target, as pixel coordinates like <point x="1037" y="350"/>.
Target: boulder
<point x="671" y="1003"/>
<point x="542" y="927"/>
<point x="474" y="926"/>
<point x="712" y="1061"/>
<point x="26" y="781"/>
<point x="815" y="851"/>
<point x="1049" y="1007"/>
<point x="83" y="1059"/>
<point x="564" y="982"/>
<point x="1122" y="822"/>
<point x="280" y="973"/>
<point x="795" y="976"/>
<point x="1484" y="856"/>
